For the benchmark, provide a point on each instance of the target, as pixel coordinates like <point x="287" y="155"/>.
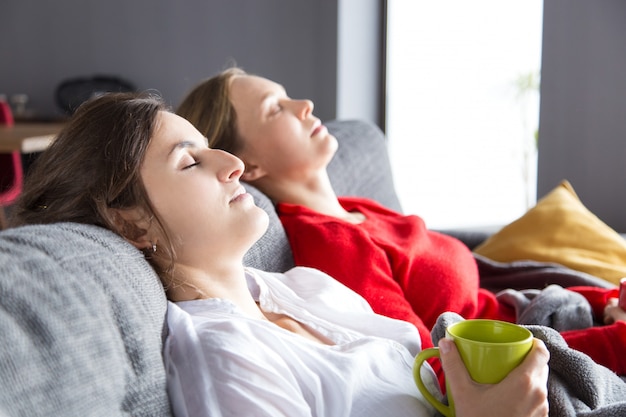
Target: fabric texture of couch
<point x="82" y="314"/>
<point x="82" y="325"/>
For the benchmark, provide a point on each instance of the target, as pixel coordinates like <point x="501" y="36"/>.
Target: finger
<point x="540" y="353"/>
<point x="609" y="311"/>
<point x="536" y="360"/>
<point x="531" y="378"/>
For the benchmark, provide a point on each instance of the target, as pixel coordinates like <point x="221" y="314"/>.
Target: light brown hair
<point x="207" y="106"/>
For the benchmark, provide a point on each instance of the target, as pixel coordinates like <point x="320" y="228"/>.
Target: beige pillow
<point x="560" y="229"/>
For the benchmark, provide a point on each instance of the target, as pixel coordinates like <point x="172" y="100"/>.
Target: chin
<point x="330" y="148"/>
<point x="261" y="224"/>
<point x="255" y="228"/>
<point x="333" y="144"/>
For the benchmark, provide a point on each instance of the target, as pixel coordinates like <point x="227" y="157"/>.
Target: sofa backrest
<point x="82" y="323"/>
<point x="82" y="314"/>
<point x="359" y="168"/>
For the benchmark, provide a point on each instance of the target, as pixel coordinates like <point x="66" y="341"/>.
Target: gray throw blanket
<point x="553" y="306"/>
<point x="497" y="276"/>
<point x="577" y="386"/>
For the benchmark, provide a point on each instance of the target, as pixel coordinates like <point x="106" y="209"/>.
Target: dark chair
<point x="72" y="92"/>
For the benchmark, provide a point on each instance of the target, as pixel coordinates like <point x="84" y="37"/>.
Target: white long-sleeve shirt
<point x="222" y="362"/>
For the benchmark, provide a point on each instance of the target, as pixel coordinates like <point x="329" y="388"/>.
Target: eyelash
<point x="192" y="165"/>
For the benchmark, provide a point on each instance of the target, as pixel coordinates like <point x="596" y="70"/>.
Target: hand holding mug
<point x="522" y="393"/>
<point x="489" y="349"/>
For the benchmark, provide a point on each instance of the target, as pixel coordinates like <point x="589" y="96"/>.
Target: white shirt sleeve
<point x="200" y="384"/>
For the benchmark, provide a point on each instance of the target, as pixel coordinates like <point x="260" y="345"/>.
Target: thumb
<point x="453" y="366"/>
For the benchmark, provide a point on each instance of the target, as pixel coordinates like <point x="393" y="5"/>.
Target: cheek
<point x="184" y="200"/>
<point x="185" y="219"/>
<point x="280" y="143"/>
<point x="170" y="200"/>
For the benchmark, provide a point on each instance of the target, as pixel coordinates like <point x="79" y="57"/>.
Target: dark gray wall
<point x="169" y="45"/>
<point x="582" y="128"/>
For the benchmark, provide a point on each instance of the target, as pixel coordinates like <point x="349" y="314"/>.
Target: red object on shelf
<point x="11" y="173"/>
<point x="6" y="116"/>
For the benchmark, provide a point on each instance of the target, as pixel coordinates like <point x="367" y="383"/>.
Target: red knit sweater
<point x="408" y="272"/>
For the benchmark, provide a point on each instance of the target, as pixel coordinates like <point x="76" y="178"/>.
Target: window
<point x="463" y="108"/>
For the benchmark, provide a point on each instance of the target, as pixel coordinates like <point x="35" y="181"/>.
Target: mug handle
<point x="417" y="365"/>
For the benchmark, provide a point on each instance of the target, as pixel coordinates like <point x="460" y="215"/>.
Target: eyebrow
<point x="272" y="94"/>
<point x="186" y="144"/>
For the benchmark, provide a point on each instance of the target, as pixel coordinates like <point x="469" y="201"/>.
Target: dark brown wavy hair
<point x="93" y="167"/>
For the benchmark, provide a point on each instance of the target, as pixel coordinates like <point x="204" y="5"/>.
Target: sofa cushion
<point x="82" y="318"/>
<point x="360" y="167"/>
<point x="562" y="230"/>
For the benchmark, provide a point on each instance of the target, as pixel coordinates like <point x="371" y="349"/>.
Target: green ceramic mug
<point x="490" y="349"/>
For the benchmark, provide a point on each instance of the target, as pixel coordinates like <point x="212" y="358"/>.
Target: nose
<point x="229" y="167"/>
<point x="305" y="108"/>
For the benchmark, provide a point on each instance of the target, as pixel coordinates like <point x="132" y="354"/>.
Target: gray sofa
<point x="82" y="313"/>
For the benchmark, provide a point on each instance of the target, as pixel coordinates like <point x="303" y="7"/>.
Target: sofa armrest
<point x="82" y="318"/>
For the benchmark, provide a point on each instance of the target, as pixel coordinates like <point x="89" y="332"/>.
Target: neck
<point x="315" y="192"/>
<point x="230" y="284"/>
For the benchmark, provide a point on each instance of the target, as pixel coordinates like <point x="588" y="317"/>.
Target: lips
<point x="239" y="194"/>
<point x="317" y="127"/>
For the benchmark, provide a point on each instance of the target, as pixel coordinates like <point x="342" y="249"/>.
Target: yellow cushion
<point x="560" y="229"/>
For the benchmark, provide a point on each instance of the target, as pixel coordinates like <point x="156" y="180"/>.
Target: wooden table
<point x="28" y="137"/>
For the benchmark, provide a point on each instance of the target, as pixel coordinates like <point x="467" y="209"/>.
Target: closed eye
<point x="191" y="165"/>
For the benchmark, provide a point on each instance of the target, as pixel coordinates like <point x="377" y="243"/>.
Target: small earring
<point x="154" y="247"/>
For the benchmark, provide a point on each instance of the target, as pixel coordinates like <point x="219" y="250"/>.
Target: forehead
<point x="172" y="129"/>
<point x="251" y="88"/>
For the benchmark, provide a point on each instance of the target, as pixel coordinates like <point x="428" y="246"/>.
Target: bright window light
<point x="463" y="108"/>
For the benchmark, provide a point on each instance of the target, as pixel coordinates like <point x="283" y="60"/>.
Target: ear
<point x="133" y="226"/>
<point x="252" y="173"/>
